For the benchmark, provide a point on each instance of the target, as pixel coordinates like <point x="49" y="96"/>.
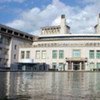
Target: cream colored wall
<point x="67" y="51"/>
<point x="12" y="51"/>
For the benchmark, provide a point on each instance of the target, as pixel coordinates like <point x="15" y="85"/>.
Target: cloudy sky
<point x="31" y="15"/>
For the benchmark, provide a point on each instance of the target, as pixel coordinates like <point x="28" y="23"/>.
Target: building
<point x="10" y="39"/>
<point x="55" y="48"/>
<point x="64" y="51"/>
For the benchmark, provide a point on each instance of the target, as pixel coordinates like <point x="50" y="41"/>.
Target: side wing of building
<point x="10" y="39"/>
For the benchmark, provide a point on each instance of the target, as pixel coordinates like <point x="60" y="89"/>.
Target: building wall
<point x="83" y="45"/>
<point x="4" y="49"/>
<point x="14" y="49"/>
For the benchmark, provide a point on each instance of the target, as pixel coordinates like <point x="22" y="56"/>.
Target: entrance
<point x="76" y="65"/>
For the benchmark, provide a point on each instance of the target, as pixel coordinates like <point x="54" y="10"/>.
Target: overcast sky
<point x="31" y="15"/>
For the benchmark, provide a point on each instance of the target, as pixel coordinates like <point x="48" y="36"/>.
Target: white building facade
<point x="64" y="51"/>
<point x="10" y="39"/>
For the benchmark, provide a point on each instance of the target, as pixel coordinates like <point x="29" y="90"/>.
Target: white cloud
<point x="81" y="20"/>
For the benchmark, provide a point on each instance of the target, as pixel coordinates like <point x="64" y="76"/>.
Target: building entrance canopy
<point x="76" y="63"/>
<point x="76" y="59"/>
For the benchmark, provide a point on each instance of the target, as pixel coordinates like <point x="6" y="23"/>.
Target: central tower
<point x="64" y="28"/>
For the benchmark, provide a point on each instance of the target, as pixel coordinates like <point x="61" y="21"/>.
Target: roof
<point x="69" y="37"/>
<point x="6" y="30"/>
<point x="49" y="27"/>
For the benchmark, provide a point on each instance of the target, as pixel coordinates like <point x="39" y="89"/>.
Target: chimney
<point x="99" y="19"/>
<point x="97" y="27"/>
<point x="64" y="28"/>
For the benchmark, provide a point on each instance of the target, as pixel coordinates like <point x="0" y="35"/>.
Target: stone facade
<point x="10" y="39"/>
<point x="64" y="51"/>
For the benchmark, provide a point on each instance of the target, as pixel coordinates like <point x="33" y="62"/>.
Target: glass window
<point x="91" y="54"/>
<point x="43" y="54"/>
<point x="61" y="54"/>
<point x="27" y="54"/>
<point x="76" y="53"/>
<point x="22" y="54"/>
<point x="61" y="66"/>
<point x="0" y="50"/>
<point x="15" y="47"/>
<point x="14" y="56"/>
<point x="54" y="65"/>
<point x="54" y="54"/>
<point x="92" y="65"/>
<point x="98" y="65"/>
<point x="98" y="54"/>
<point x="37" y="54"/>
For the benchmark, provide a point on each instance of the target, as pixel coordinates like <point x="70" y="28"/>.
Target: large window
<point x="91" y="54"/>
<point x="92" y="65"/>
<point x="54" y="54"/>
<point x="22" y="54"/>
<point x="44" y="54"/>
<point x="98" y="65"/>
<point x="76" y="53"/>
<point x="61" y="54"/>
<point x="61" y="66"/>
<point x="98" y="54"/>
<point x="14" y="56"/>
<point x="27" y="54"/>
<point x="37" y="56"/>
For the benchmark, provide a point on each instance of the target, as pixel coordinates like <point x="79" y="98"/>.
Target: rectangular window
<point x="44" y="54"/>
<point x="61" y="66"/>
<point x="61" y="54"/>
<point x="91" y="54"/>
<point x="37" y="56"/>
<point x="14" y="56"/>
<point x="98" y="54"/>
<point x="15" y="47"/>
<point x="22" y="54"/>
<point x="76" y="53"/>
<point x="54" y="65"/>
<point x="91" y="65"/>
<point x="27" y="54"/>
<point x="54" y="54"/>
<point x="0" y="51"/>
<point x="98" y="65"/>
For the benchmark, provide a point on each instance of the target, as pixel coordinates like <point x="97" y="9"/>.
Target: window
<point x="37" y="56"/>
<point x="22" y="54"/>
<point x="76" y="53"/>
<point x="91" y="54"/>
<point x="27" y="54"/>
<point x="92" y="65"/>
<point x="0" y="51"/>
<point x="61" y="66"/>
<point x="61" y="54"/>
<point x="14" y="56"/>
<point x="54" y="65"/>
<point x="98" y="65"/>
<point x="54" y="54"/>
<point x="44" y="54"/>
<point x="15" y="47"/>
<point x="0" y="60"/>
<point x="98" y="54"/>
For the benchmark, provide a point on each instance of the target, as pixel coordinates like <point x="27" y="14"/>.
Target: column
<point x="86" y="66"/>
<point x="80" y="66"/>
<point x="66" y="66"/>
<point x="72" y="66"/>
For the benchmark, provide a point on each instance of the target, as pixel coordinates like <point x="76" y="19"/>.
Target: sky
<point x="30" y="15"/>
